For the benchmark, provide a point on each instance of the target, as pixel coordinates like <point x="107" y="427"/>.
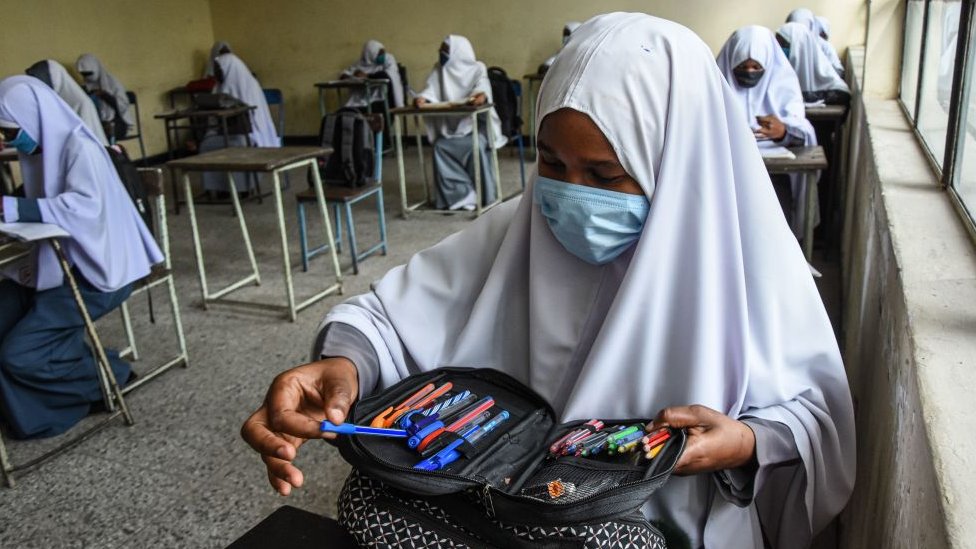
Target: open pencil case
<point x="506" y="490"/>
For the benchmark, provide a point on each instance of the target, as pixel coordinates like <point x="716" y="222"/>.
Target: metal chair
<point x="276" y="99"/>
<point x="152" y="180"/>
<point x="134" y="101"/>
<point x="346" y="197"/>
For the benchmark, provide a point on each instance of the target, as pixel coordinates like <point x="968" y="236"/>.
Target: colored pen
<point x="450" y="454"/>
<point x="462" y="408"/>
<point x="424" y="401"/>
<point x="620" y="434"/>
<point x="573" y="436"/>
<point x="439" y="440"/>
<point x="380" y="419"/>
<point x="466" y="416"/>
<point x="624" y="440"/>
<point x="352" y="429"/>
<point x="415" y="426"/>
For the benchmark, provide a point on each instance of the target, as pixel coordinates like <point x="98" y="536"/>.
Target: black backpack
<point x="505" y="100"/>
<point x="132" y="182"/>
<point x="352" y="161"/>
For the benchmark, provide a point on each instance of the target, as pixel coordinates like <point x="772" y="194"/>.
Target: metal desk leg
<point x="811" y="179"/>
<point x="398" y="139"/>
<point x="320" y="198"/>
<point x="240" y="218"/>
<point x="197" y="247"/>
<point x="100" y="356"/>
<point x="280" y="211"/>
<point x="494" y="162"/>
<point x="476" y="146"/>
<point x="418" y="121"/>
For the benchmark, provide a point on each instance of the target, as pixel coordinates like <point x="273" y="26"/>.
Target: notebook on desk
<point x="30" y="232"/>
<point x="769" y="150"/>
<point x="444" y="104"/>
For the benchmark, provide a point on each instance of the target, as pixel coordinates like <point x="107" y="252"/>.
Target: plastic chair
<point x="346" y="197"/>
<point x="152" y="181"/>
<point x="134" y="101"/>
<point x="276" y="99"/>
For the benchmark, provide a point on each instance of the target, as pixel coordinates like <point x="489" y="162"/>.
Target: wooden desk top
<point x="826" y="112"/>
<point x="247" y="159"/>
<point x="8" y="155"/>
<point x="353" y="83"/>
<point x="807" y="159"/>
<point x="199" y="113"/>
<point x="458" y="109"/>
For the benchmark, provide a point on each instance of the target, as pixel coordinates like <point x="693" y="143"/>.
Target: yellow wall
<point x="291" y="44"/>
<point x="150" y="46"/>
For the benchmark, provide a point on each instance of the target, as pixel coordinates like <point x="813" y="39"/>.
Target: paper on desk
<point x="817" y="103"/>
<point x="769" y="149"/>
<point x="444" y="104"/>
<point x="29" y="232"/>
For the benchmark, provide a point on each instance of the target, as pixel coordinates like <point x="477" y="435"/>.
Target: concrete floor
<point x="181" y="476"/>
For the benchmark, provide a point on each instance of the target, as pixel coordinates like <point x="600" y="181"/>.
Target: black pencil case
<point x="506" y="491"/>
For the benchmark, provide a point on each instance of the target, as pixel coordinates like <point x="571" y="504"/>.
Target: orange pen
<point x="381" y="419"/>
<point x="437" y="393"/>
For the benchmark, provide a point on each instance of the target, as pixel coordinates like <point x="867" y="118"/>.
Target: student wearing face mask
<point x="56" y="76"/>
<point x="567" y="32"/>
<point x="818" y="79"/>
<point x="768" y="91"/>
<point x="459" y="76"/>
<point x="646" y="272"/>
<point x="375" y="62"/>
<point x="113" y="102"/>
<point x="48" y="378"/>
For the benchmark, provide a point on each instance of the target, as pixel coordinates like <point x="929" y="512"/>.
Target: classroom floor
<point x="182" y="476"/>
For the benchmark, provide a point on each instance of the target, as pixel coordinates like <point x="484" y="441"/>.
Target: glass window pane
<point x="914" y="16"/>
<point x="964" y="179"/>
<point x="937" y="69"/>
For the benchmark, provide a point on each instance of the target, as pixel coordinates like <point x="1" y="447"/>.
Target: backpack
<point x="132" y="183"/>
<point x="351" y="163"/>
<point x="506" y="101"/>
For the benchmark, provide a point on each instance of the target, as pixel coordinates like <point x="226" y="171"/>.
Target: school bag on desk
<point x="505" y="491"/>
<point x="350" y="135"/>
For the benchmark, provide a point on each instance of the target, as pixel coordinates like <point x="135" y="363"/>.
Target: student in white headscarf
<point x="219" y="47"/>
<point x="820" y="28"/>
<point x="48" y="378"/>
<point x="459" y="77"/>
<point x="647" y="267"/>
<point x="769" y="92"/>
<point x="568" y="29"/>
<point x="235" y="79"/>
<point x="113" y="103"/>
<point x="375" y="62"/>
<point x="818" y="79"/>
<point x="56" y="76"/>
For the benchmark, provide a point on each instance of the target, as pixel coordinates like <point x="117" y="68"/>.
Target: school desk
<point x="7" y="185"/>
<point x="16" y="240"/>
<point x="532" y="83"/>
<point x="274" y="161"/>
<point x="809" y="161"/>
<point x="367" y="85"/>
<point x="834" y="116"/>
<point x="459" y="111"/>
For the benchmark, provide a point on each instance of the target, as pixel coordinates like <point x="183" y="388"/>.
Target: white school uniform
<point x="368" y="65"/>
<point x="72" y="94"/>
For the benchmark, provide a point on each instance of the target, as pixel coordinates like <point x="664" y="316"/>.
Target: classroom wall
<point x="293" y="44"/>
<point x="151" y="46"/>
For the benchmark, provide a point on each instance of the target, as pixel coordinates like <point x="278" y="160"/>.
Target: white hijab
<point x="101" y="79"/>
<point x="214" y="52"/>
<point x="462" y="77"/>
<point x="815" y="24"/>
<point x="811" y="65"/>
<point x="713" y="305"/>
<point x="568" y="30"/>
<point x="78" y="189"/>
<point x="778" y="92"/>
<point x="74" y="96"/>
<point x="240" y="83"/>
<point x="367" y="64"/>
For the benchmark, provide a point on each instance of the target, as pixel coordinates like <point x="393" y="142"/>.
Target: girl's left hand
<point x="715" y="441"/>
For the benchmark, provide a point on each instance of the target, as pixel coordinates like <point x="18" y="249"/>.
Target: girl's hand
<point x="715" y="441"/>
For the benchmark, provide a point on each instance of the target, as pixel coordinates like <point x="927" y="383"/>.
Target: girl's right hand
<point x="419" y="101"/>
<point x="297" y="402"/>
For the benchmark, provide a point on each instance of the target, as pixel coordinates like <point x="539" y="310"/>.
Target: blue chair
<point x="342" y="200"/>
<point x="276" y="99"/>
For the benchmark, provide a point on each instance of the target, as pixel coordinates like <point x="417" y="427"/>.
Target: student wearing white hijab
<point x="56" y="76"/>
<point x="219" y="47"/>
<point x="818" y="79"/>
<point x="113" y="103"/>
<point x="235" y="79"/>
<point x="375" y="62"/>
<point x="820" y="27"/>
<point x="768" y="90"/>
<point x="647" y="272"/>
<point x="568" y="29"/>
<point x="48" y="378"/>
<point x="459" y="77"/>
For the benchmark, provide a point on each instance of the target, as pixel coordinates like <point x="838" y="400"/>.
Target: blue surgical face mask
<point x="23" y="142"/>
<point x="381" y="58"/>
<point x="786" y="51"/>
<point x="444" y="58"/>
<point x="595" y="225"/>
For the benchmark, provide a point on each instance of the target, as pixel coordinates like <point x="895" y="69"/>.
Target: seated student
<point x="236" y="80"/>
<point x="646" y="273"/>
<point x="56" y="76"/>
<point x="806" y="18"/>
<point x="568" y="29"/>
<point x="48" y="378"/>
<point x="459" y="76"/>
<point x="818" y="80"/>
<point x="769" y="92"/>
<point x="219" y="47"/>
<point x="375" y="62"/>
<point x="113" y="103"/>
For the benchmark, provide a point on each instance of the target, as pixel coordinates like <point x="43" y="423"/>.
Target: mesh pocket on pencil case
<point x="566" y="481"/>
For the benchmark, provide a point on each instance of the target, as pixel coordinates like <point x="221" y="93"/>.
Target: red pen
<point x="474" y="411"/>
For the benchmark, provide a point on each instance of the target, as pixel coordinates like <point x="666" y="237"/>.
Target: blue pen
<point x="415" y="420"/>
<point x="450" y="454"/>
<point x="352" y="429"/>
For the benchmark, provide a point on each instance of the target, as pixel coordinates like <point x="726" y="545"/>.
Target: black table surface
<point x="292" y="528"/>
